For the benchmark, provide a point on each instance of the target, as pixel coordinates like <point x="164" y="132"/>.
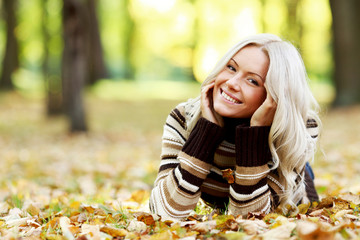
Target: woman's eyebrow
<point x="249" y="72"/>
<point x="234" y="62"/>
<point x="257" y="75"/>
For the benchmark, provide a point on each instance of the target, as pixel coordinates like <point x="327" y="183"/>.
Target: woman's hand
<point x="264" y="115"/>
<point x="207" y="105"/>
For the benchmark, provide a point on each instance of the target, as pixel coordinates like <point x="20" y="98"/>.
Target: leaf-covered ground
<point x="54" y="185"/>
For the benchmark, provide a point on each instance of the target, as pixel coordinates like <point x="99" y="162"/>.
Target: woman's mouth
<point x="229" y="98"/>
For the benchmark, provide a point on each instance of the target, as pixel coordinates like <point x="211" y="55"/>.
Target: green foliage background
<point x="176" y="39"/>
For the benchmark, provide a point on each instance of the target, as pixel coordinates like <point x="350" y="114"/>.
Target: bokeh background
<point x="86" y="85"/>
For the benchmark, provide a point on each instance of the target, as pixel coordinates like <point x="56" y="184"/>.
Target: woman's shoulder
<point x="187" y="109"/>
<point x="186" y="112"/>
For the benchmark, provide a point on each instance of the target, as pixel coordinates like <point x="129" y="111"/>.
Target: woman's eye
<point x="253" y="81"/>
<point x="231" y="68"/>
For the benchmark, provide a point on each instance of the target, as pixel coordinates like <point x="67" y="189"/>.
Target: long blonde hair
<point x="290" y="143"/>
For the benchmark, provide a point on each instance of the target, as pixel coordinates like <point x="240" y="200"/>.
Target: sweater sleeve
<point x="185" y="163"/>
<point x="256" y="188"/>
<point x="250" y="191"/>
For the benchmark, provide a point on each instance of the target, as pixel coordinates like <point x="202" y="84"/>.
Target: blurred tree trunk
<point x="52" y="84"/>
<point x="97" y="68"/>
<point x="11" y="58"/>
<point x="293" y="29"/>
<point x="195" y="40"/>
<point x="346" y="33"/>
<point x="263" y="12"/>
<point x="128" y="36"/>
<point x="74" y="62"/>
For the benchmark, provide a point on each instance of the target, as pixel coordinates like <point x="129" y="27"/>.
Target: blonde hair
<point x="290" y="143"/>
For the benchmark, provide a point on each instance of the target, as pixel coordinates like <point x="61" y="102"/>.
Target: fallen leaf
<point x="139" y="196"/>
<point x="311" y="231"/>
<point x="340" y="214"/>
<point x="252" y="227"/>
<point x="283" y="231"/>
<point x="92" y="230"/>
<point x="303" y="208"/>
<point x="114" y="232"/>
<point x="146" y="218"/>
<point x="228" y="175"/>
<point x="350" y="197"/>
<point x="270" y="218"/>
<point x="204" y="227"/>
<point x="64" y="226"/>
<point x="136" y="226"/>
<point x="33" y="210"/>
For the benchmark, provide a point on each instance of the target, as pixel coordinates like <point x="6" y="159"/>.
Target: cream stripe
<point x="170" y="211"/>
<point x="184" y="183"/>
<point x="276" y="182"/>
<point x="244" y="197"/>
<point x="251" y="176"/>
<point x="226" y="149"/>
<point x="172" y="142"/>
<point x="216" y="170"/>
<point x="192" y="165"/>
<point x="267" y="207"/>
<point x="166" y="161"/>
<point x="252" y="203"/>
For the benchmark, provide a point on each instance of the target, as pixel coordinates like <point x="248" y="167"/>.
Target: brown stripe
<point x="210" y="191"/>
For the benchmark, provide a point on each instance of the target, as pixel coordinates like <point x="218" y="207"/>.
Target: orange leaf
<point x="228" y="175"/>
<point x="147" y="219"/>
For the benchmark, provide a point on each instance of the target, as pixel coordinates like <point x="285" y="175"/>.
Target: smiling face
<point x="239" y="88"/>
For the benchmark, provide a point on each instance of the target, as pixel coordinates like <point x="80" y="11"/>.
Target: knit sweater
<point x="192" y="163"/>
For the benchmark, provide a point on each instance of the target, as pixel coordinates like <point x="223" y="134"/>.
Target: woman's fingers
<point x="207" y="108"/>
<point x="264" y="115"/>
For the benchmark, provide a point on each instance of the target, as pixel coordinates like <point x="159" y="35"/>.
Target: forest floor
<point x="55" y="185"/>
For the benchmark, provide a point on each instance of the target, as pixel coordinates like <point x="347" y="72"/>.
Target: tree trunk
<point x="97" y="68"/>
<point x="346" y="33"/>
<point x="74" y="63"/>
<point x="52" y="84"/>
<point x="293" y="28"/>
<point x="128" y="36"/>
<point x="11" y="58"/>
<point x="194" y="41"/>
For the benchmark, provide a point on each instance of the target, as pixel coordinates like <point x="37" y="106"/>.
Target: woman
<point x="256" y="116"/>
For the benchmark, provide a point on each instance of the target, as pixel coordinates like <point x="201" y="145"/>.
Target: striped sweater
<point x="192" y="163"/>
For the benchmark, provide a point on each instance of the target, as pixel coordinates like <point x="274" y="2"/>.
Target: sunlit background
<point x="174" y="40"/>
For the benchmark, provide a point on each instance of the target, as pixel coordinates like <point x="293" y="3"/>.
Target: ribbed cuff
<point x="252" y="147"/>
<point x="203" y="140"/>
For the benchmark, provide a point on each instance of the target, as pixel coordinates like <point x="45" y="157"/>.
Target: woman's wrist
<point x="203" y="140"/>
<point x="252" y="147"/>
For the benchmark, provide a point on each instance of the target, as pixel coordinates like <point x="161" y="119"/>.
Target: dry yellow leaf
<point x="75" y="205"/>
<point x="139" y="196"/>
<point x="114" y="232"/>
<point x="32" y="210"/>
<point x="270" y="218"/>
<point x="303" y="208"/>
<point x="53" y="223"/>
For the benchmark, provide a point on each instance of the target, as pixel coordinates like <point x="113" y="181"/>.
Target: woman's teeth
<point x="227" y="97"/>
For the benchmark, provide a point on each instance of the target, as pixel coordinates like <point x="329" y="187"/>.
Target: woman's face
<point x="239" y="88"/>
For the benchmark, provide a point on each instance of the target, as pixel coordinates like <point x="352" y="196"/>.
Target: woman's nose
<point x="234" y="83"/>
